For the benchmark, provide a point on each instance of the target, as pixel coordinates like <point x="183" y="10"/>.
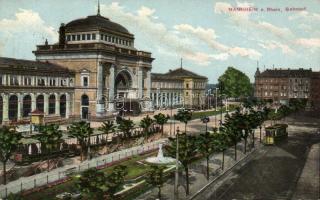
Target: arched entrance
<point x="26" y="106"/>
<point x="13" y="108"/>
<point x="52" y="104"/>
<point x="123" y="83"/>
<point x="84" y="107"/>
<point x="63" y="103"/>
<point x="1" y="109"/>
<point x="40" y="103"/>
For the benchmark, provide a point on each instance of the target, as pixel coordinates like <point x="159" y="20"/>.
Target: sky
<point x="209" y="35"/>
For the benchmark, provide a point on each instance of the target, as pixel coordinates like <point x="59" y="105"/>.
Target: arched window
<point x="13" y="107"/>
<point x="84" y="106"/>
<point x="52" y="104"/>
<point x="26" y="106"/>
<point x="40" y="103"/>
<point x="63" y="103"/>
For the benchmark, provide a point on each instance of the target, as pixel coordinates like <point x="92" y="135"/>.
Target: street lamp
<point x="205" y="120"/>
<point x="176" y="180"/>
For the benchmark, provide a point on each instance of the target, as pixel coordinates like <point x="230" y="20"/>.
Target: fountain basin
<point x="160" y="159"/>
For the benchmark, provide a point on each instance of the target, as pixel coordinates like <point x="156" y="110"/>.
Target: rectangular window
<point x="83" y="36"/>
<point x="14" y="80"/>
<point x="113" y="39"/>
<point x="1" y="80"/>
<point x="88" y="36"/>
<point x="85" y="81"/>
<point x="68" y="37"/>
<point x="78" y="37"/>
<point x="73" y="37"/>
<point x="109" y="38"/>
<point x="93" y="36"/>
<point x="101" y="36"/>
<point x="27" y="80"/>
<point x="41" y="82"/>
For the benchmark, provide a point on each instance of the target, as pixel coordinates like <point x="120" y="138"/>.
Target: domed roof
<point x="95" y="21"/>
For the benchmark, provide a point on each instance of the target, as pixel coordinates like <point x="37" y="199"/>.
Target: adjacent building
<point x="280" y="85"/>
<point x="178" y="87"/>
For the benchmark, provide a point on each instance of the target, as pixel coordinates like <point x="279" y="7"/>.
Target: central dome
<point x="95" y="22"/>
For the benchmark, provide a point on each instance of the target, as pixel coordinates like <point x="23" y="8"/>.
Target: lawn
<point x="198" y="115"/>
<point x="134" y="170"/>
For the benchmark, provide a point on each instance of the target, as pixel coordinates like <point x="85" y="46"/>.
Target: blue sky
<point x="206" y="34"/>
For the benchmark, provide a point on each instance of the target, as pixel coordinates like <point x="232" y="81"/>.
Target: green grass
<point x="198" y="115"/>
<point x="134" y="170"/>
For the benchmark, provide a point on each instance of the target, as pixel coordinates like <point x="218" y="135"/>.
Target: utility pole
<point x="176" y="180"/>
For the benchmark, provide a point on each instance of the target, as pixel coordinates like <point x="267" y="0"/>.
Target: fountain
<point x="160" y="159"/>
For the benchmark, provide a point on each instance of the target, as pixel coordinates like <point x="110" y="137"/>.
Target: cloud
<point x="305" y="15"/>
<point x="308" y="42"/>
<point x="271" y="45"/>
<point x="241" y="19"/>
<point x="208" y="36"/>
<point x="27" y="21"/>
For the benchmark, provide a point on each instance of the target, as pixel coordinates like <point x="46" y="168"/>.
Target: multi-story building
<point x="315" y="90"/>
<point x="178" y="87"/>
<point x="280" y="85"/>
<point x="27" y="86"/>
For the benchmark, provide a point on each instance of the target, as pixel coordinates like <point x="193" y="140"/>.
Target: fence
<point x="61" y="174"/>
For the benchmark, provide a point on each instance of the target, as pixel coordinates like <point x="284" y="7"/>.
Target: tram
<point x="275" y="133"/>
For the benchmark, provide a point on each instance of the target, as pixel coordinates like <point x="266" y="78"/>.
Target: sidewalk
<point x="308" y="183"/>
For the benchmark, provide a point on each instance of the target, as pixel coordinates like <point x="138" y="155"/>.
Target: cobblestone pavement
<point x="274" y="173"/>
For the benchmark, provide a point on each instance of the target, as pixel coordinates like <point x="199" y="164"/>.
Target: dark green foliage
<point x="161" y="119"/>
<point x="206" y="147"/>
<point x="187" y="152"/>
<point x="91" y="183"/>
<point x="155" y="177"/>
<point x="9" y="141"/>
<point x="115" y="180"/>
<point x="49" y="137"/>
<point x="234" y="83"/>
<point x="145" y="123"/>
<point x="80" y="130"/>
<point x="183" y="116"/>
<point x="126" y="125"/>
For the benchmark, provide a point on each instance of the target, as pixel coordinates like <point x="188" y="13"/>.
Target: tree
<point x="115" y="180"/>
<point x="183" y="116"/>
<point x="145" y="123"/>
<point x="221" y="142"/>
<point x="155" y="177"/>
<point x="187" y="152"/>
<point x="9" y="141"/>
<point x="161" y="119"/>
<point x="126" y="125"/>
<point x="49" y="138"/>
<point x="81" y="130"/>
<point x="206" y="147"/>
<point x="107" y="127"/>
<point x="91" y="183"/>
<point x="236" y="83"/>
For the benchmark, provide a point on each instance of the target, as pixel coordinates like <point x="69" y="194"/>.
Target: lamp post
<point x="176" y="180"/>
<point x="205" y="120"/>
<point x="215" y="116"/>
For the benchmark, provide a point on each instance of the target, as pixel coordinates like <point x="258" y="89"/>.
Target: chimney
<point x="62" y="35"/>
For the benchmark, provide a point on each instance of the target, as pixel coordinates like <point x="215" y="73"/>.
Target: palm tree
<point x="49" y="138"/>
<point x="107" y="127"/>
<point x="155" y="178"/>
<point x="81" y="130"/>
<point x="183" y="116"/>
<point x="145" y="123"/>
<point x="206" y="147"/>
<point x="187" y="152"/>
<point x="91" y="183"/>
<point x="161" y="119"/>
<point x="126" y="125"/>
<point x="9" y="141"/>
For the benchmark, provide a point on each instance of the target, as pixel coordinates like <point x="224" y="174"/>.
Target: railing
<point x="56" y="176"/>
<point x="93" y="46"/>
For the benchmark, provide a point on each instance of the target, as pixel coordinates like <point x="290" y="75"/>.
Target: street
<point x="274" y="171"/>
